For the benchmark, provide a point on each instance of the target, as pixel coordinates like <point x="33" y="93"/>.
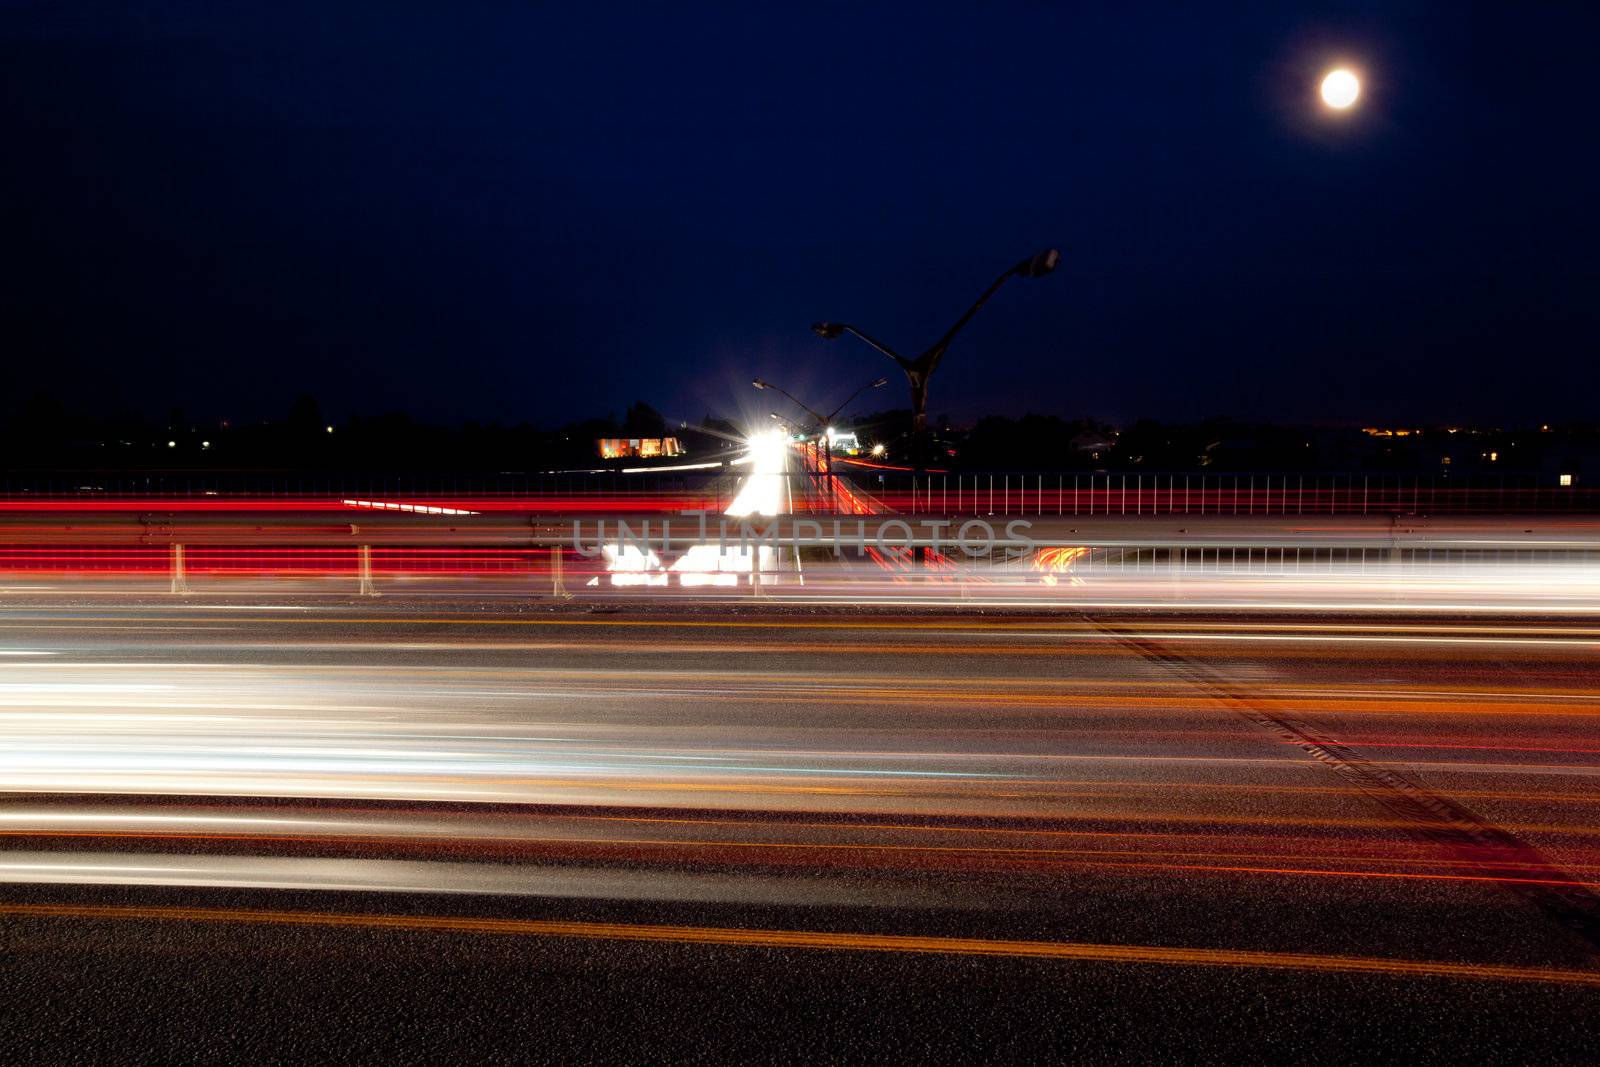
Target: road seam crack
<point x="1469" y="838"/>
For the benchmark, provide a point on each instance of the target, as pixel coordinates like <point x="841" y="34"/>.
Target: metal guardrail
<point x="999" y="492"/>
<point x="348" y="526"/>
<point x="544" y="550"/>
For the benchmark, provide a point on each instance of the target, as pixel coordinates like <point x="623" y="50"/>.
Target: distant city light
<point x="879" y="449"/>
<point x="172" y="444"/>
<point x="1340" y="89"/>
<point x="642" y="447"/>
<point x="205" y="444"/>
<point x="330" y="429"/>
<point x="1566" y="479"/>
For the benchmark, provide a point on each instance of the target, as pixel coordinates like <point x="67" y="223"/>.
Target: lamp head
<point x="827" y="330"/>
<point x="1040" y="265"/>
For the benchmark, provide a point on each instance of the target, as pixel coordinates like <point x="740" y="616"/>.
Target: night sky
<point x="506" y="212"/>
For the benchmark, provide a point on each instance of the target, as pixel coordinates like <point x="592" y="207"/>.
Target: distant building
<point x="638" y="447"/>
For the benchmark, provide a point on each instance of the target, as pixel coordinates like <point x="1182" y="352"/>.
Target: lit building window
<point x="645" y="447"/>
<point x="1566" y="479"/>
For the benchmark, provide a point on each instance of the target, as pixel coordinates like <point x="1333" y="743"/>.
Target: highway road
<point x="313" y="826"/>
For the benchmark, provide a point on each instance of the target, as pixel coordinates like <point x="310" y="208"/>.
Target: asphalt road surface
<point x="413" y="830"/>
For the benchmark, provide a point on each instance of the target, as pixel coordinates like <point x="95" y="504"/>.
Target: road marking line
<point x="828" y="940"/>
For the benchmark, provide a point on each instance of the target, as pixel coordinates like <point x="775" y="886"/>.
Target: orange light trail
<point x="827" y="940"/>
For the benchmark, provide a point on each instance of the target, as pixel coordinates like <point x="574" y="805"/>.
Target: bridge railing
<point x="1207" y="493"/>
<point x="541" y="554"/>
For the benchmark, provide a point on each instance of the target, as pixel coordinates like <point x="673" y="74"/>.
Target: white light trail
<point x="419" y="509"/>
<point x="766" y="486"/>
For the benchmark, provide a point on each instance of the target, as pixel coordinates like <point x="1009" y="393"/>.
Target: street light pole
<point x="920" y="369"/>
<point x="824" y="427"/>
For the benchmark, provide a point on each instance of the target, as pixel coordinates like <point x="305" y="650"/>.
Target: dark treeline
<point x="41" y="434"/>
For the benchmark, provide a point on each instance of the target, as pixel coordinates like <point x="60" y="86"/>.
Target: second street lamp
<point x="824" y="427"/>
<point x="920" y="369"/>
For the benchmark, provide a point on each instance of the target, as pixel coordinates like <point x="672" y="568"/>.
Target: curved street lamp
<point x="920" y="369"/>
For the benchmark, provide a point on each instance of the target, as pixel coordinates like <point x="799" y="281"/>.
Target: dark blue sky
<point x="507" y="211"/>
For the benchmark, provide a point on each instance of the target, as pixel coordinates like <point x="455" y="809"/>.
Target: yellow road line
<point x="827" y="940"/>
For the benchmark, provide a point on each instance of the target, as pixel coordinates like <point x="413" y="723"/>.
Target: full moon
<point x="1340" y="89"/>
